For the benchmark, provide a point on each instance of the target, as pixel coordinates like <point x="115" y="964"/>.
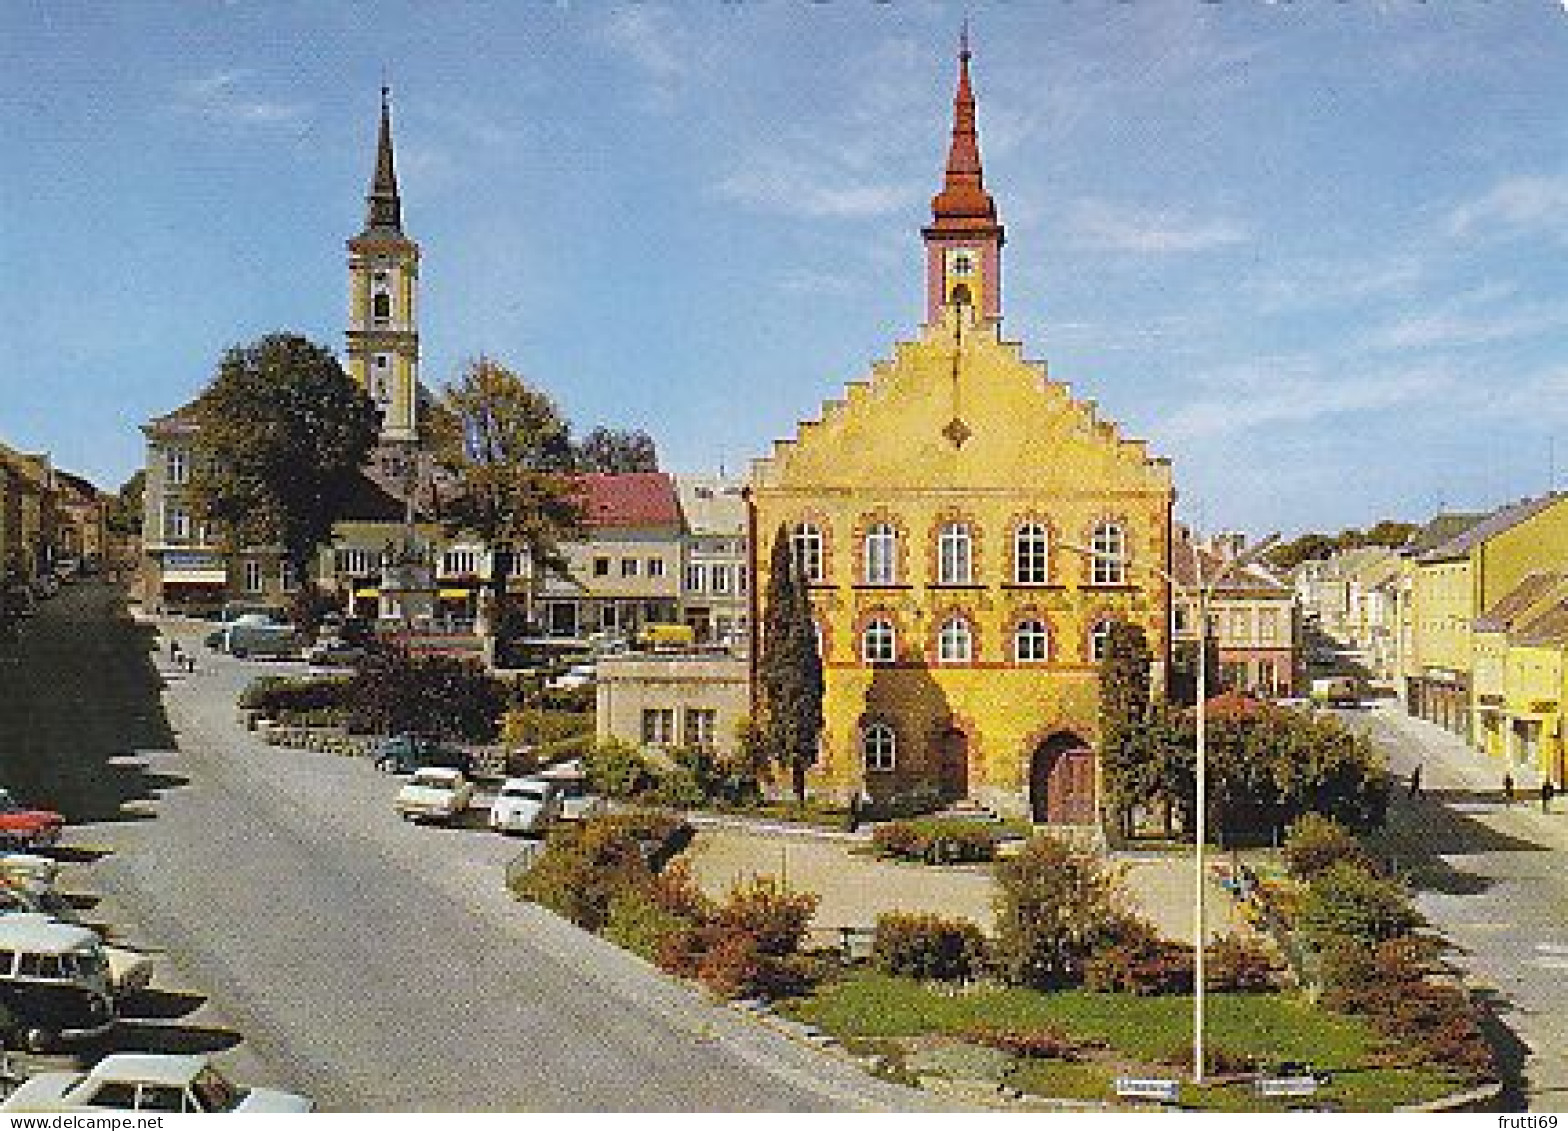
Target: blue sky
<point x="1315" y="253"/>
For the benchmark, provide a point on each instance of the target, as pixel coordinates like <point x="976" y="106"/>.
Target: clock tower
<point x="964" y="240"/>
<point x="383" y="278"/>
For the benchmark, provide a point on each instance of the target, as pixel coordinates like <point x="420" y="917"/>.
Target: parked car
<point x="1336" y="691"/>
<point x="577" y="800"/>
<point x="578" y="675"/>
<point x="28" y="870"/>
<point x="21" y="827"/>
<point x="525" y="805"/>
<point x="407" y="752"/>
<point x="434" y="793"/>
<point x="333" y="652"/>
<point x="54" y="982"/>
<point x="262" y="641"/>
<point x="253" y="613"/>
<point x="130" y="971"/>
<point x="145" y="1081"/>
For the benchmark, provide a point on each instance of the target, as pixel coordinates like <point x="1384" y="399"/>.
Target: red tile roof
<point x="631" y="499"/>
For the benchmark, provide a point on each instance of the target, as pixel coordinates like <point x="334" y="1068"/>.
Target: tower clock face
<point x="961" y="262"/>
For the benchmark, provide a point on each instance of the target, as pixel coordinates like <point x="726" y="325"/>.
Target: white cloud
<point x="1098" y="223"/>
<point x="220" y="97"/>
<point x="1299" y="285"/>
<point x="797" y="183"/>
<point x="1456" y="328"/>
<point x="648" y="38"/>
<point x="1297" y="391"/>
<point x="1521" y="205"/>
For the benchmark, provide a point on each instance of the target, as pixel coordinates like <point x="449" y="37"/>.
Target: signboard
<point x="1286" y="1086"/>
<point x="191" y="560"/>
<point x="1146" y="1088"/>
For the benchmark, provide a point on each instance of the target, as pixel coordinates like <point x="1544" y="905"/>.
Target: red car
<point x="22" y="827"/>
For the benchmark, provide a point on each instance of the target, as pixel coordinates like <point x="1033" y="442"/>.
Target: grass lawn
<point x="1140" y="1033"/>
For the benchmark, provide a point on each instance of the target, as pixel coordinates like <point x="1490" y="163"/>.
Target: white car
<point x="434" y="794"/>
<point x="149" y="1082"/>
<point x="525" y="805"/>
<point x="577" y="802"/>
<point x="578" y="675"/>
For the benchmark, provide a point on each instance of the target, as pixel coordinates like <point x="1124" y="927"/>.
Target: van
<point x="54" y="982"/>
<point x="262" y="641"/>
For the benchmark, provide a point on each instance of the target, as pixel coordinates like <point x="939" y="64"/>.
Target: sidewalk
<point x="1451" y="765"/>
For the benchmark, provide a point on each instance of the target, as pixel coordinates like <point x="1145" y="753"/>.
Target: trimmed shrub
<point x="1048" y="1042"/>
<point x="1238" y="963"/>
<point x="768" y="912"/>
<point x="928" y="947"/>
<point x="737" y="966"/>
<point x="584" y="867"/>
<point x="639" y="922"/>
<point x="1347" y="901"/>
<point x="1316" y="843"/>
<point x="678" y="789"/>
<point x="277" y="695"/>
<point x="533" y="726"/>
<point x="936" y="840"/>
<point x="1140" y="963"/>
<point x="1055" y="905"/>
<point x="617" y="769"/>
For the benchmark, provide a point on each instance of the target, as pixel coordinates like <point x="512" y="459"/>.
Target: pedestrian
<point x="1548" y="791"/>
<point x="1508" y="789"/>
<point x="174" y="649"/>
<point x="1415" y="781"/>
<point x="853" y="820"/>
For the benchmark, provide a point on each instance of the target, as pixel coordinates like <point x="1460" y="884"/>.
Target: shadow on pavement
<point x="82" y="695"/>
<point x="150" y="1036"/>
<point x="160" y="1005"/>
<point x="1420" y="832"/>
<point x="1510" y="1051"/>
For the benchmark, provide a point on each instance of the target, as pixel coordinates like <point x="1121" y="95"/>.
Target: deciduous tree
<point x="617" y="450"/>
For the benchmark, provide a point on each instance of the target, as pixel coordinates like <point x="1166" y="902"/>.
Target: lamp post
<point x="1198" y="596"/>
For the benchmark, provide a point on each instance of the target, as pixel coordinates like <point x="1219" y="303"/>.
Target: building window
<point x="601" y="567"/>
<point x="176" y="464"/>
<point x="1268" y="625"/>
<point x="629" y="567"/>
<point x="696" y="578"/>
<point x="1099" y="637"/>
<point x="742" y="580"/>
<point x="176" y="523"/>
<point x="1109" y="565"/>
<point x="353" y="563"/>
<point x="1031" y="554"/>
<point x="808" y="551"/>
<point x="460" y="563"/>
<point x="658" y="726"/>
<point x="721" y="578"/>
<point x="956" y="642"/>
<point x="381" y="306"/>
<point x="955" y="557"/>
<point x="879" y="644"/>
<point x="655" y="567"/>
<point x="702" y="726"/>
<point x="879" y="748"/>
<point x="881" y="555"/>
<point x="288" y="581"/>
<point x="253" y="576"/>
<point x="1031" y="642"/>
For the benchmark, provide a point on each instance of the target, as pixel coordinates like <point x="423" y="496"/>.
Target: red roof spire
<point x="963" y="202"/>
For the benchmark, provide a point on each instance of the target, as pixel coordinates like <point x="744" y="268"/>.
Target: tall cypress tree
<point x="789" y="671"/>
<point x="1124" y="713"/>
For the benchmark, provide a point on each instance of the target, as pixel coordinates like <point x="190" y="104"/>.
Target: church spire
<point x="383" y="208"/>
<point x="964" y="240"/>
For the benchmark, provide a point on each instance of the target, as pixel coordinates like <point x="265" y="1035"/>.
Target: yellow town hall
<point x="969" y="530"/>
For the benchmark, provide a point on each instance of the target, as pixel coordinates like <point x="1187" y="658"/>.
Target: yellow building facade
<point x="969" y="529"/>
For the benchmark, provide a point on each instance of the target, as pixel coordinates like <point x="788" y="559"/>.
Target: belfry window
<point x="381" y="306"/>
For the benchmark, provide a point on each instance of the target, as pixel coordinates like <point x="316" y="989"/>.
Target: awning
<point x="196" y="577"/>
<point x="454" y="594"/>
<point x="364" y="594"/>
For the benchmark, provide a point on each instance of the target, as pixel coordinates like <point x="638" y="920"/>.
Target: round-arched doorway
<point x="1061" y="781"/>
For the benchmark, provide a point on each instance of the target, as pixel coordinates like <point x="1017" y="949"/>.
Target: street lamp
<point x="1198" y="596"/>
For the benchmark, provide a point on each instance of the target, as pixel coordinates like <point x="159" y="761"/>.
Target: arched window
<point x="808" y="551"/>
<point x="955" y="555"/>
<point x="879" y="748"/>
<point x="1031" y="642"/>
<point x="1109" y="565"/>
<point x="878" y="643"/>
<point x="955" y="643"/>
<point x="881" y="554"/>
<point x="381" y="305"/>
<point x="1031" y="554"/>
<point x="1099" y="635"/>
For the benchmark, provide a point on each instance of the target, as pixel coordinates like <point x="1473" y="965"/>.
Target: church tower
<point x="383" y="276"/>
<point x="964" y="239"/>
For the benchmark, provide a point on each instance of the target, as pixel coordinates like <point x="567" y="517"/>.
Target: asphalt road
<point x="1491" y="876"/>
<point x="371" y="964"/>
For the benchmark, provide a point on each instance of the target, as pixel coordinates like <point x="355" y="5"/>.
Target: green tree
<point x="1055" y="905"/>
<point x="283" y="432"/>
<point x="509" y="450"/>
<point x="617" y="450"/>
<point x="789" y="672"/>
<point x="394" y="691"/>
<point x="123" y="511"/>
<point x="1124" y="710"/>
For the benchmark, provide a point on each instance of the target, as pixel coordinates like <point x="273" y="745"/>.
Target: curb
<point x="1459" y="1101"/>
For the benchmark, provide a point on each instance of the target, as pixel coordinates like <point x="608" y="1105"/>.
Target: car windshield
<point x="526" y="792"/>
<point x="432" y="781"/>
<point x="213" y="1091"/>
